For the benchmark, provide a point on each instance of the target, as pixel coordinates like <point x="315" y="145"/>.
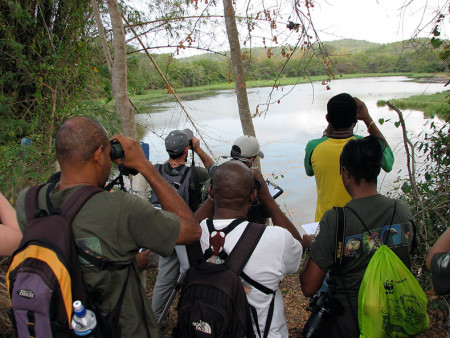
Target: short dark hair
<point x="363" y="157"/>
<point x="176" y="156"/>
<point x="342" y="111"/>
<point x="233" y="181"/>
<point x="78" y="138"/>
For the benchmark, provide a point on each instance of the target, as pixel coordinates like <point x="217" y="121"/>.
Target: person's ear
<point x="98" y="154"/>
<point x="326" y="116"/>
<point x="210" y="192"/>
<point x="250" y="161"/>
<point x="345" y="173"/>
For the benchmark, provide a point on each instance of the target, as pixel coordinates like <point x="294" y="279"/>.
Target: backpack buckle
<point x="40" y="213"/>
<point x="55" y="211"/>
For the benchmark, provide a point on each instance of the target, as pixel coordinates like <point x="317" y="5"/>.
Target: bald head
<point x="232" y="184"/>
<point x="78" y="138"/>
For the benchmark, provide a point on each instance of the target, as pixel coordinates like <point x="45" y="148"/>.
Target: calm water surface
<point x="286" y="128"/>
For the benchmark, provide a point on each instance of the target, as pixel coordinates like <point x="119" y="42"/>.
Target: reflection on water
<point x="286" y="128"/>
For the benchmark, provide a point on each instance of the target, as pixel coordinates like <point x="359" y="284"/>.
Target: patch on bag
<point x="25" y="293"/>
<point x="202" y="327"/>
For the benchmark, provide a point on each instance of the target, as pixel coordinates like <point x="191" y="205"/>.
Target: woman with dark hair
<point x="370" y="217"/>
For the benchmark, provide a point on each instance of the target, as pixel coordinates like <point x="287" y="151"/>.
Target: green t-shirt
<point x="115" y="226"/>
<point x="376" y="212"/>
<point x="322" y="161"/>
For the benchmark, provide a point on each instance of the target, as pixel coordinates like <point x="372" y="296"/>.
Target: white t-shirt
<point x="276" y="254"/>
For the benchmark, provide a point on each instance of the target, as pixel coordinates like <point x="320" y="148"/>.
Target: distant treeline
<point x="336" y="57"/>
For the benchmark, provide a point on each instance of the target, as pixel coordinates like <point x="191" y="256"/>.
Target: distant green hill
<point x="332" y="57"/>
<point x="350" y="46"/>
<point x="336" y="47"/>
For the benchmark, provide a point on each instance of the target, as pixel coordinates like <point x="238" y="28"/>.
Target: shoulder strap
<point x="198" y="191"/>
<point x="365" y="226"/>
<point x="254" y="314"/>
<point x="186" y="171"/>
<point x="31" y="201"/>
<point x="363" y="223"/>
<point x="69" y="211"/>
<point x="230" y="227"/>
<point x="77" y="200"/>
<point x="391" y="223"/>
<point x="339" y="248"/>
<point x="160" y="168"/>
<point x="239" y="257"/>
<point x="245" y="246"/>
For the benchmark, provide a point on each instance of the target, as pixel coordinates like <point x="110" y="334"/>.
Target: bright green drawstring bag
<point x="390" y="301"/>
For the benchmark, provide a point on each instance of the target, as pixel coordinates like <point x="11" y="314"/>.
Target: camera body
<point x="322" y="305"/>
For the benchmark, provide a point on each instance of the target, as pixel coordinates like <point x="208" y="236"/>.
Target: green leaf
<point x="381" y="121"/>
<point x="436" y="43"/>
<point x="406" y="188"/>
<point x="436" y="31"/>
<point x="397" y="124"/>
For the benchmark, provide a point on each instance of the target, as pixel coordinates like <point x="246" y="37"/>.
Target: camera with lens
<point x="322" y="306"/>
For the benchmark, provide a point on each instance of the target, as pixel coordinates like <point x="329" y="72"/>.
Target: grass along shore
<point x="162" y="95"/>
<point x="432" y="105"/>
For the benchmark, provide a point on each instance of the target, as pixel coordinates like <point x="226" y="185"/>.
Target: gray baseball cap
<point x="177" y="141"/>
<point x="246" y="146"/>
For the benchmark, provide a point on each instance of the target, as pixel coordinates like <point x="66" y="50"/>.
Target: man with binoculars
<point x="188" y="182"/>
<point x="115" y="225"/>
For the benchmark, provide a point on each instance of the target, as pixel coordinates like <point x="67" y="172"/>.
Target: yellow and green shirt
<point x="322" y="161"/>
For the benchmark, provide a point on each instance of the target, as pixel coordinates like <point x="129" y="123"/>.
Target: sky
<point x="381" y="21"/>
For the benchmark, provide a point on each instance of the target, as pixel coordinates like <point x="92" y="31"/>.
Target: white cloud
<point x="381" y="21"/>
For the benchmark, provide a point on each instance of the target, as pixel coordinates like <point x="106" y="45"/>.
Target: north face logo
<point x="202" y="327"/>
<point x="26" y="293"/>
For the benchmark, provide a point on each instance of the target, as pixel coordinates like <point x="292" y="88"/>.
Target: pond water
<point x="286" y="128"/>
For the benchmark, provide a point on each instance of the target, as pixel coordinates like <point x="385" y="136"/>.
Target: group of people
<point x="116" y="225"/>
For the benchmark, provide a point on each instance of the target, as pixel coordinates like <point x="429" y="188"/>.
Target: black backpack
<point x="213" y="302"/>
<point x="44" y="277"/>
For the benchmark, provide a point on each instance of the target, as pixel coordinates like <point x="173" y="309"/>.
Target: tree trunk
<point x="239" y="72"/>
<point x="101" y="33"/>
<point x="119" y="87"/>
<point x="119" y="72"/>
<point x="238" y="69"/>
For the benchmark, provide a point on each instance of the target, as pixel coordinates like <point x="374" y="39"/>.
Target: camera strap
<point x="117" y="180"/>
<point x="339" y="249"/>
<point x="198" y="190"/>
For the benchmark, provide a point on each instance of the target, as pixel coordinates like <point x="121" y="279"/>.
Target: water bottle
<point x="83" y="321"/>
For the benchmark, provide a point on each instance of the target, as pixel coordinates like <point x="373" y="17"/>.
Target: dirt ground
<point x="295" y="305"/>
<point x="296" y="315"/>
